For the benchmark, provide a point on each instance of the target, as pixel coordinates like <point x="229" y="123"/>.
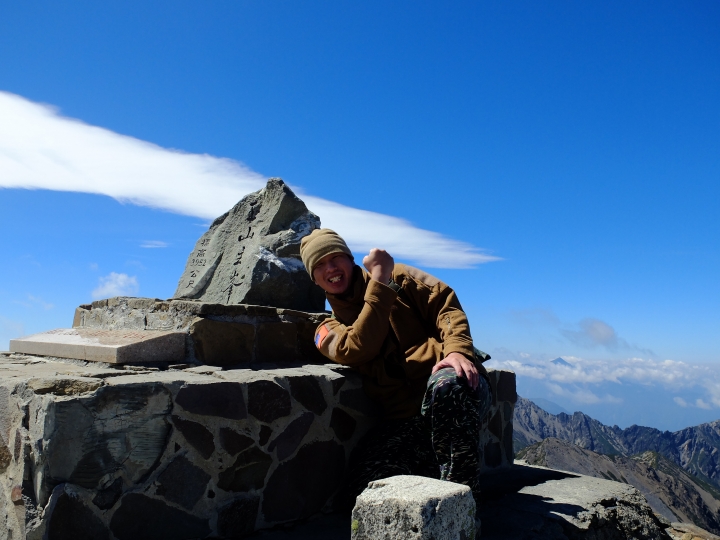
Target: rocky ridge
<point x="695" y="449"/>
<point x="670" y="491"/>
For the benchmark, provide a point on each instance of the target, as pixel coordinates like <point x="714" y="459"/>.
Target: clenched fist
<point x="379" y="264"/>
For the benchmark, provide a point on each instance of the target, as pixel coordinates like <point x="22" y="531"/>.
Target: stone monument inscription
<point x="251" y="254"/>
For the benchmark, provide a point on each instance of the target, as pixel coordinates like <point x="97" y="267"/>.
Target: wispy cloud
<point x="581" y="395"/>
<point x="594" y="333"/>
<point x="153" y="244"/>
<point x="35" y="301"/>
<point x="40" y="149"/>
<point x="680" y="401"/>
<point x="115" y="284"/>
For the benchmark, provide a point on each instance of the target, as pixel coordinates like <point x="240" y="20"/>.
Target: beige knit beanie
<point x="318" y="244"/>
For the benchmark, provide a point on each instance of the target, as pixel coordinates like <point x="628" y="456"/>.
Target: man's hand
<point x="379" y="264"/>
<point x="462" y="366"/>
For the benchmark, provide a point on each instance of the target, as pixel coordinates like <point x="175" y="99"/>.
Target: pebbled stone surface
<point x="414" y="507"/>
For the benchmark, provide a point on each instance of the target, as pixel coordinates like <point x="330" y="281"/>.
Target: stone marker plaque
<point x="111" y="346"/>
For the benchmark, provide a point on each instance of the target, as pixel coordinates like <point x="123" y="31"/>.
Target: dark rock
<point x="342" y="424"/>
<point x="224" y="399"/>
<point x="506" y="386"/>
<point x="292" y="436"/>
<point x="182" y="483"/>
<point x="265" y="433"/>
<point x="302" y="485"/>
<point x="196" y="434"/>
<point x="268" y="401"/>
<point x="493" y="454"/>
<point x="357" y="399"/>
<point x="106" y="498"/>
<point x="237" y="518"/>
<point x="276" y="342"/>
<point x="495" y="425"/>
<point x="219" y="343"/>
<point x="70" y="519"/>
<point x="337" y="384"/>
<point x="233" y="442"/>
<point x="507" y="442"/>
<point x="251" y="254"/>
<point x="248" y="472"/>
<point x="142" y="518"/>
<point x="117" y="428"/>
<point x="307" y="391"/>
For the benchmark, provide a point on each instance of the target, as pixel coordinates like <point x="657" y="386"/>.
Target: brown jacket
<point x="395" y="340"/>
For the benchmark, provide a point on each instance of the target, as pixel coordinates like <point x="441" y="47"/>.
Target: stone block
<point x="287" y="442"/>
<point x="276" y="342"/>
<point x="141" y="518"/>
<point x="220" y="343"/>
<point x="506" y="386"/>
<point x="237" y="518"/>
<point x="306" y="390"/>
<point x="414" y="507"/>
<point x="223" y="399"/>
<point x="110" y="346"/>
<point x="182" y="483"/>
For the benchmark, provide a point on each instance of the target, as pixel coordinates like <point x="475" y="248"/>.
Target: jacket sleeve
<point x="441" y="308"/>
<point x="361" y="341"/>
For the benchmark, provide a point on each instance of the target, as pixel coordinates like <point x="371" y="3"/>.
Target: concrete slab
<point x="109" y="346"/>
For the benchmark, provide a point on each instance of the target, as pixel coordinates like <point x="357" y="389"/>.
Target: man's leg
<point x="390" y="449"/>
<point x="453" y="412"/>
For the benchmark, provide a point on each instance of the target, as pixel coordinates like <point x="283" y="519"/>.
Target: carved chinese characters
<point x="251" y="255"/>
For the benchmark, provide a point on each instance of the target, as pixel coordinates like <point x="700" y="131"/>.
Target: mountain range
<point x="695" y="449"/>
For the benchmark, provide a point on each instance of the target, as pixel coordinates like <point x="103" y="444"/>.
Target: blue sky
<point x="557" y="164"/>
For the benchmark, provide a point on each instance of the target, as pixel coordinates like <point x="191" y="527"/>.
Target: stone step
<point x="109" y="346"/>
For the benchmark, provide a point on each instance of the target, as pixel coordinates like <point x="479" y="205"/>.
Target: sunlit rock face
<point x="251" y="254"/>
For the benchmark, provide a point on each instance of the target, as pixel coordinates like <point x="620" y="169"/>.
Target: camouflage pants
<point x="442" y="442"/>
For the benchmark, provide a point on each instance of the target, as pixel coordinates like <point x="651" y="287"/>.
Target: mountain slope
<point x="669" y="490"/>
<point x="695" y="449"/>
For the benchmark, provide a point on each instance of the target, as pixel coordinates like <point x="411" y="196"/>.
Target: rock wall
<point x="92" y="451"/>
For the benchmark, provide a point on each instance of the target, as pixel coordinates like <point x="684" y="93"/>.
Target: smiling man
<point x="406" y="333"/>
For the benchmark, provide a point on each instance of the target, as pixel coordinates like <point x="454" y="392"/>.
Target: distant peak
<point x="560" y="362"/>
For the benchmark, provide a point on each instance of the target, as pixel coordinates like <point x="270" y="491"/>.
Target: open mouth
<point x="335" y="279"/>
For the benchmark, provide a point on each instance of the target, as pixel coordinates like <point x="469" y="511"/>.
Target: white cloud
<point x="154" y="244"/>
<point x="40" y="149"/>
<point x="115" y="284"/>
<point x="701" y="404"/>
<point x="672" y="375"/>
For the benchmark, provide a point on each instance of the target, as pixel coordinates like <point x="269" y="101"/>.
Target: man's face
<point x="333" y="273"/>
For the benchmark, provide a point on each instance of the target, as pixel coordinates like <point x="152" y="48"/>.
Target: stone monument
<point x="251" y="254"/>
